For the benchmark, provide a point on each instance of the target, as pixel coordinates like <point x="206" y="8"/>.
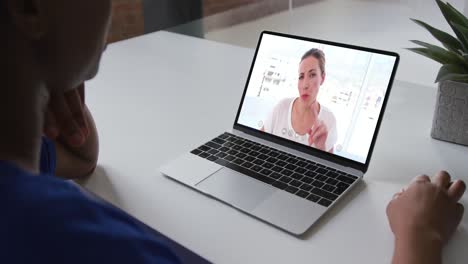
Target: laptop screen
<point x="324" y="96"/>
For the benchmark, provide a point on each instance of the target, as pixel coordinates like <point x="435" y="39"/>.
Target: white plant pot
<point x="451" y="113"/>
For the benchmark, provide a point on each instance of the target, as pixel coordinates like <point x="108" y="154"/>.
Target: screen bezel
<point x="300" y="147"/>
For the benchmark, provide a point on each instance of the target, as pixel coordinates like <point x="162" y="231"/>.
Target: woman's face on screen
<point x="310" y="79"/>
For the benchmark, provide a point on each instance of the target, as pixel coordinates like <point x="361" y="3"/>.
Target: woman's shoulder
<point x="285" y="103"/>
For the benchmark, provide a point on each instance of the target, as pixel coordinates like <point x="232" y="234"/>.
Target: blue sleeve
<point x="57" y="223"/>
<point x="48" y="156"/>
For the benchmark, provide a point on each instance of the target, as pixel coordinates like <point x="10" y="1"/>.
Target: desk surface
<point x="162" y="94"/>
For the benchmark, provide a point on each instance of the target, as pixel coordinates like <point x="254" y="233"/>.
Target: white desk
<point x="162" y="94"/>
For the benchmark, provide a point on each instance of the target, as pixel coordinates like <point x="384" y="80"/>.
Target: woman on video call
<point x="304" y="119"/>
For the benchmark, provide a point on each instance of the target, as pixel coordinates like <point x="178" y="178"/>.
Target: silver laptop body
<point x="316" y="180"/>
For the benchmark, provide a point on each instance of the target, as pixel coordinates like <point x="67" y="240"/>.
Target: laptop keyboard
<point x="304" y="178"/>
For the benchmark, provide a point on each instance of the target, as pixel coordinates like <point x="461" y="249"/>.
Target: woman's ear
<point x="323" y="78"/>
<point x="28" y="17"/>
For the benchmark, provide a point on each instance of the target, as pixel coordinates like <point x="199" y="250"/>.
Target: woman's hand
<point x="318" y="134"/>
<point x="427" y="207"/>
<point x="66" y="118"/>
<point x="70" y="124"/>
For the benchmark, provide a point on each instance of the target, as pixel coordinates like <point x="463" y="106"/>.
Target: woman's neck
<point x="22" y="103"/>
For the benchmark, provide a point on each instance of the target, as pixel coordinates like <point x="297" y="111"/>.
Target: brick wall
<point x="127" y="19"/>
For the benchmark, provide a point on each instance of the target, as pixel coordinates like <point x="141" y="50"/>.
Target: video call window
<point x="322" y="96"/>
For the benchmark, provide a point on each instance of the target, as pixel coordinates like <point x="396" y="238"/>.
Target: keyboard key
<point x="237" y="147"/>
<point x="291" y="189"/>
<point x="266" y="172"/>
<point x="224" y="136"/>
<point x="302" y="194"/>
<point x="212" y="158"/>
<point x="286" y="172"/>
<point x="328" y="188"/>
<point x="249" y="158"/>
<point x="291" y="167"/>
<point x="281" y="163"/>
<point x="213" y="151"/>
<point x="219" y="141"/>
<point x="324" y="202"/>
<point x="280" y="185"/>
<point x="331" y="181"/>
<point x="230" y="158"/>
<point x="254" y="153"/>
<point x="264" y="150"/>
<point x="311" y="174"/>
<point x="282" y="157"/>
<point x="256" y="148"/>
<point x="228" y="145"/>
<point x="258" y="162"/>
<point x="262" y="157"/>
<point x="213" y="145"/>
<point x="292" y="160"/>
<point x="204" y="155"/>
<point x="221" y="155"/>
<point x="268" y="165"/>
<point x="245" y="150"/>
<point x="332" y="174"/>
<point x="295" y="183"/>
<point x="204" y="148"/>
<point x="296" y="176"/>
<point x="224" y="149"/>
<point x="318" y="184"/>
<point x="300" y="170"/>
<point x="302" y="164"/>
<point x="321" y="171"/>
<point x="324" y="194"/>
<point x="238" y="161"/>
<point x="321" y="178"/>
<point x="342" y="185"/>
<point x="307" y="179"/>
<point x="312" y="197"/>
<point x="272" y="160"/>
<point x="306" y="187"/>
<point x="256" y="168"/>
<point x="345" y="179"/>
<point x="274" y="154"/>
<point x="339" y="190"/>
<point x="311" y="167"/>
<point x="275" y="175"/>
<point x="285" y="179"/>
<point x="196" y="151"/>
<point x="247" y="165"/>
<point x="232" y="152"/>
<point x="277" y="168"/>
<point x="247" y="145"/>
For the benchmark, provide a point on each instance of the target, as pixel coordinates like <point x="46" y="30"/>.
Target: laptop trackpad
<point x="237" y="189"/>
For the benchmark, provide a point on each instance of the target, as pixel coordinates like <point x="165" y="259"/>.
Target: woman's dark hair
<point x="316" y="53"/>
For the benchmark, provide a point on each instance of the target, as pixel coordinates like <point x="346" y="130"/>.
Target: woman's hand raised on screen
<point x="318" y="133"/>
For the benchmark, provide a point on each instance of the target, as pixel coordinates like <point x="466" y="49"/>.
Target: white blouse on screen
<point x="279" y="123"/>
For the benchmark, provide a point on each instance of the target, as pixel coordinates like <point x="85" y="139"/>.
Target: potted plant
<point x="450" y="121"/>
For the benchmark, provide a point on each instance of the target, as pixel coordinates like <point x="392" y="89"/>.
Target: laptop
<point x="303" y="135"/>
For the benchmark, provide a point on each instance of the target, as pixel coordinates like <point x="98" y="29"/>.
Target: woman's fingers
<point x="51" y="128"/>
<point x="442" y="179"/>
<point x="456" y="190"/>
<point x="74" y="101"/>
<point x="69" y="127"/>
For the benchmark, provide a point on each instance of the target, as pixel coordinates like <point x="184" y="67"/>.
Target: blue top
<point x="45" y="219"/>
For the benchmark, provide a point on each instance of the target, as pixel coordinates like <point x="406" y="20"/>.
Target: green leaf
<point x="462" y="18"/>
<point x="454" y="57"/>
<point x="440" y="55"/>
<point x="453" y="17"/>
<point x="451" y="72"/>
<point x="463" y="31"/>
<point x="446" y="39"/>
